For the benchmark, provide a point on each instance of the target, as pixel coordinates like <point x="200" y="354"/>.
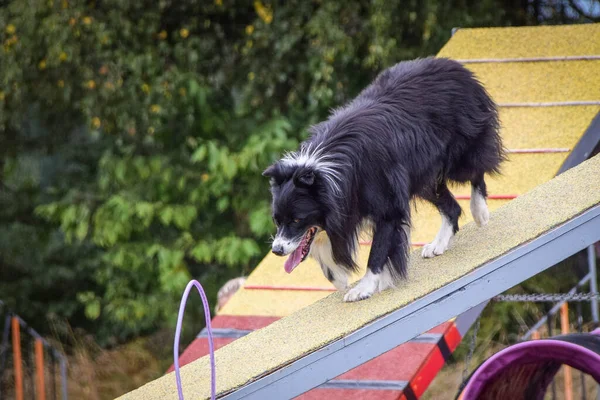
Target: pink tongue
<point x="295" y="258"/>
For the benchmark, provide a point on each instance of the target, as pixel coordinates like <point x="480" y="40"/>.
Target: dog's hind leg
<point x="479" y="208"/>
<point x="387" y="261"/>
<point x="450" y="211"/>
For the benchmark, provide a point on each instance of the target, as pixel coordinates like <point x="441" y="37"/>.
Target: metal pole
<point x="594" y="289"/>
<point x="40" y="384"/>
<point x="63" y="377"/>
<point x="53" y="373"/>
<point x="17" y="361"/>
<point x="580" y="329"/>
<point x="549" y="321"/>
<point x="564" y="329"/>
<point x="593" y="282"/>
<point x="4" y="347"/>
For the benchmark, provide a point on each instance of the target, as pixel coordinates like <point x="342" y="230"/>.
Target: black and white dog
<point x="419" y="125"/>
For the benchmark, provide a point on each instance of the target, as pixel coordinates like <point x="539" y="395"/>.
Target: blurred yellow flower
<point x="162" y="35"/>
<point x="63" y="56"/>
<point x="61" y="83"/>
<point x="72" y="21"/>
<point x="96" y="122"/>
<point x="265" y="13"/>
<point x="219" y="2"/>
<point x="65" y="4"/>
<point x="182" y="92"/>
<point x="10" y="29"/>
<point x="151" y="131"/>
<point x="145" y="88"/>
<point x="155" y="108"/>
<point x="249" y="29"/>
<point x="42" y="64"/>
<point x="104" y="39"/>
<point x="87" y="20"/>
<point x="184" y="33"/>
<point x="250" y="76"/>
<point x="1" y="96"/>
<point x="204" y="177"/>
<point x="90" y="84"/>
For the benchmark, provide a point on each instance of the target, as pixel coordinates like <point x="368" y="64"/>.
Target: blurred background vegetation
<point x="133" y="134"/>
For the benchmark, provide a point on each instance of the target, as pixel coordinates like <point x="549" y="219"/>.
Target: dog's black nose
<point x="278" y="250"/>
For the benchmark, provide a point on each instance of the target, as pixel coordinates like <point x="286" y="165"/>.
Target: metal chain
<point x="465" y="374"/>
<point x="548" y="297"/>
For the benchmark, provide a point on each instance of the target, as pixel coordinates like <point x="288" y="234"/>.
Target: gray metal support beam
<point x="593" y="281"/>
<point x="423" y="314"/>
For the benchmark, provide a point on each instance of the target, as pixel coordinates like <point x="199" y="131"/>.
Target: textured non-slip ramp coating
<point x="539" y="41"/>
<point x="533" y="82"/>
<point x="545" y="127"/>
<point x="275" y="346"/>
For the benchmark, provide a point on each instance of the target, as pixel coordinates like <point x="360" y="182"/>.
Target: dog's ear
<point x="270" y="171"/>
<point x="304" y="178"/>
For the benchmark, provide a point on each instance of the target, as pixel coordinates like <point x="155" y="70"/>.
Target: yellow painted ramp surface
<point x="524" y="42"/>
<point x="329" y="319"/>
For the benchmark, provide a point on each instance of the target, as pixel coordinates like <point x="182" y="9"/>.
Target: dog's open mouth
<point x="301" y="251"/>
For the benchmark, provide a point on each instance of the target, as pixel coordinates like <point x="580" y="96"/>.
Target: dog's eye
<point x="296" y="220"/>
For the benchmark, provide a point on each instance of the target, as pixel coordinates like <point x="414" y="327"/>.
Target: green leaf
<point x="166" y="215"/>
<point x="202" y="252"/>
<point x="199" y="154"/>
<point x="92" y="309"/>
<point x="222" y="204"/>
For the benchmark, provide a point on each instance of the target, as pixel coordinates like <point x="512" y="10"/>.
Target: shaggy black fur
<point x="419" y="125"/>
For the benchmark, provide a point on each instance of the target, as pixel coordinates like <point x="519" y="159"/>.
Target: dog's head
<point x="297" y="211"/>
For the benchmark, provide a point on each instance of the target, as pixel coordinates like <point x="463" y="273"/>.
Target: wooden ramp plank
<point x="562" y="215"/>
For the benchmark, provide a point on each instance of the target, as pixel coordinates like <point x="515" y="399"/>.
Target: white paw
<point x="369" y="284"/>
<point x="359" y="292"/>
<point x="433" y="249"/>
<point x="481" y="215"/>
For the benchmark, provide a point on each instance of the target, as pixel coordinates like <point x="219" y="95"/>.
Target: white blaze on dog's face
<point x="296" y="212"/>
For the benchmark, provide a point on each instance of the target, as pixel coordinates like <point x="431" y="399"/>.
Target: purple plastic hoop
<point x="533" y="351"/>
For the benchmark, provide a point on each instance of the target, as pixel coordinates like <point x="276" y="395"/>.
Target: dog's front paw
<point x="364" y="289"/>
<point x="357" y="293"/>
<point x="433" y="249"/>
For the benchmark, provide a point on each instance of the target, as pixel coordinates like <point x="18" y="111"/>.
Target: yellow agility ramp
<point x="329" y="337"/>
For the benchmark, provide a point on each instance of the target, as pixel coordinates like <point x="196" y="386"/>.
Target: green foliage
<point x="133" y="135"/>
